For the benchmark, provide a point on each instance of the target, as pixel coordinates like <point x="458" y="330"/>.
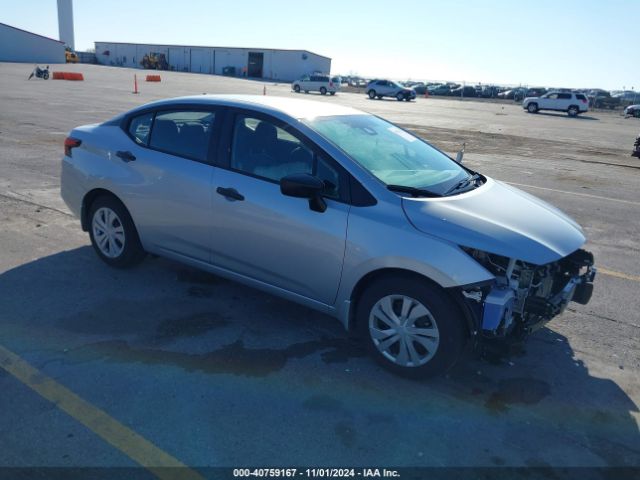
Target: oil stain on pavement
<point x="234" y="358"/>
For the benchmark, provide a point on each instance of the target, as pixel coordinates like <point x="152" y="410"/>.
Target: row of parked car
<point x="534" y="99"/>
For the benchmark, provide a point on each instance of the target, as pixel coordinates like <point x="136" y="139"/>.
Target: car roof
<point x="292" y="107"/>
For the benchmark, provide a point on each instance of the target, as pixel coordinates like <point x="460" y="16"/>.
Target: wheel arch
<point x="453" y="293"/>
<point x="88" y="200"/>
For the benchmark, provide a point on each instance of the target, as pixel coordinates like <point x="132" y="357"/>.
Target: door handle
<point x="125" y="156"/>
<point x="230" y="193"/>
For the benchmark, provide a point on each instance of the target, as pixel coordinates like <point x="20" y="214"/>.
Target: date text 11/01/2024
<point x="316" y="473"/>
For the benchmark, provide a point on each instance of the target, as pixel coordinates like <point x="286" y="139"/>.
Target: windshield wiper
<point x="464" y="183"/>
<point x="413" y="191"/>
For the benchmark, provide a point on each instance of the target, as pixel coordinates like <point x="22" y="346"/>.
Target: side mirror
<point x="304" y="185"/>
<point x="460" y="154"/>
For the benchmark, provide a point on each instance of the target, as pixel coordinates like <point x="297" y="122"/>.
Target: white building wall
<point x="280" y="65"/>
<point x="291" y="65"/>
<point x="20" y="46"/>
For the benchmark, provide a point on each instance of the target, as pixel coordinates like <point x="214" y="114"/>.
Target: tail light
<point x="69" y="144"/>
<point x="584" y="100"/>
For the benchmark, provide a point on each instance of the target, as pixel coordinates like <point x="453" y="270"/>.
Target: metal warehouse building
<point x="18" y="45"/>
<point x="283" y="65"/>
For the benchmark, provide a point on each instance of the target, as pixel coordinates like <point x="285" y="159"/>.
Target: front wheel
<point x="323" y="91"/>
<point x="45" y="75"/>
<point x="332" y="93"/>
<point x="296" y="89"/>
<point x="573" y="111"/>
<point x="372" y="94"/>
<point x="532" y="108"/>
<point x="410" y="326"/>
<point x="400" y="97"/>
<point x="113" y="234"/>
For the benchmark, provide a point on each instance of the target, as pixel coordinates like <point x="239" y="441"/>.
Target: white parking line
<point x="617" y="200"/>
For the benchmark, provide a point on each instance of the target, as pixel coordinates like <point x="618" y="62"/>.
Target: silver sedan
<point x="332" y="208"/>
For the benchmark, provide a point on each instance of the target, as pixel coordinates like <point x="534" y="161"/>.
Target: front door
<point x="262" y="234"/>
<point x="255" y="63"/>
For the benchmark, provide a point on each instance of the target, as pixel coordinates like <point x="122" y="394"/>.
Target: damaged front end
<point x="525" y="296"/>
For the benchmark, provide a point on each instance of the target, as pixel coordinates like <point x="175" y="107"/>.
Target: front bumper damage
<point x="524" y="298"/>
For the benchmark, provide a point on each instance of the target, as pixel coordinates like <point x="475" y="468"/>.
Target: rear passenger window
<point x="581" y="97"/>
<point x="183" y="133"/>
<point x="140" y="127"/>
<point x="564" y="96"/>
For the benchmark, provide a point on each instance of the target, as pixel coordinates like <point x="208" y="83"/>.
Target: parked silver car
<point x="335" y="209"/>
<point x="388" y="88"/>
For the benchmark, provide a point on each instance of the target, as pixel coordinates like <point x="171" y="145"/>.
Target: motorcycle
<point x="40" y="73"/>
<point x="636" y="148"/>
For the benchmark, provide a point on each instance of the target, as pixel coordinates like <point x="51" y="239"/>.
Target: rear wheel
<point x="113" y="234"/>
<point x="45" y="75"/>
<point x="532" y="108"/>
<point x="573" y="111"/>
<point x="400" y="96"/>
<point x="332" y="93"/>
<point x="323" y="91"/>
<point x="372" y="94"/>
<point x="296" y="89"/>
<point x="410" y="327"/>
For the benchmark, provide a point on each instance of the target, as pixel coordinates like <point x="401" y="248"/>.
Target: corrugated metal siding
<point x="280" y="65"/>
<point x="20" y="46"/>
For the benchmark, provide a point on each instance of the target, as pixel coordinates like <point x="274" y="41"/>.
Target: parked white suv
<point x="389" y="88"/>
<point x="572" y="103"/>
<point x="317" y="83"/>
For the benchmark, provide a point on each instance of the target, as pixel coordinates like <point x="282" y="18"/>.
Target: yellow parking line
<point x="133" y="445"/>
<point x="613" y="273"/>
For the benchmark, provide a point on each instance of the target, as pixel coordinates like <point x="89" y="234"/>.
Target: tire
<point x="372" y="94"/>
<point x="332" y="93"/>
<point x="532" y="108"/>
<point x="400" y="96"/>
<point x="573" y="111"/>
<point x="296" y="89"/>
<point x="429" y="308"/>
<point x="323" y="91"/>
<point x="306" y="91"/>
<point x="45" y="75"/>
<point x="380" y="97"/>
<point x="122" y="247"/>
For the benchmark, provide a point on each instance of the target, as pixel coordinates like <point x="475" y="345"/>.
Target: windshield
<point x="394" y="156"/>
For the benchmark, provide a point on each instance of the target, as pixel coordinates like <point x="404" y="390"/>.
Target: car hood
<point x="500" y="219"/>
<point x="531" y="98"/>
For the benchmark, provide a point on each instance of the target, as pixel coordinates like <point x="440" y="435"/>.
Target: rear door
<point x="168" y="185"/>
<point x="264" y="235"/>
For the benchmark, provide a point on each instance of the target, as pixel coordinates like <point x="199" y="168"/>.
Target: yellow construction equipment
<point x="155" y="61"/>
<point x="70" y="56"/>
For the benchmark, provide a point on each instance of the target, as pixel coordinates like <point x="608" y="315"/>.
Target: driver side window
<point x="262" y="149"/>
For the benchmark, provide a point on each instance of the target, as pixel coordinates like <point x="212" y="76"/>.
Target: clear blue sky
<point x="572" y="43"/>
